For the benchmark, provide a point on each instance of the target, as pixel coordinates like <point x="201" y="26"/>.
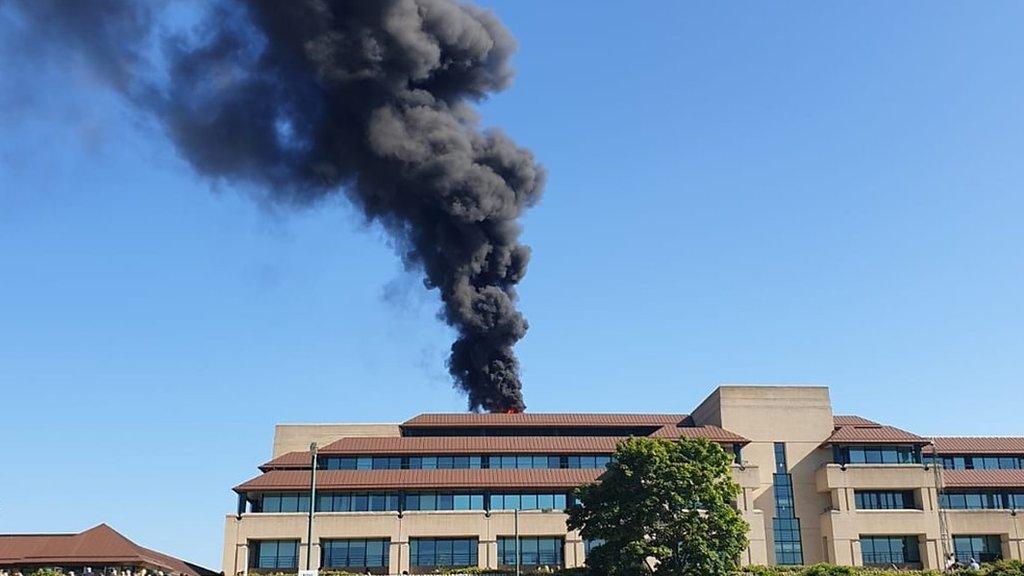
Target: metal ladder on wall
<point x="943" y="527"/>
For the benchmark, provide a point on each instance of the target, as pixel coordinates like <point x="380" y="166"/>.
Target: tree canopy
<point x="663" y="507"/>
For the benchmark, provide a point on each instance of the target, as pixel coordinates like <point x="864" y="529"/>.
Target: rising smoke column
<point x="307" y="99"/>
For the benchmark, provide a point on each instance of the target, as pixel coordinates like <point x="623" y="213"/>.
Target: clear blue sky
<point x="738" y="193"/>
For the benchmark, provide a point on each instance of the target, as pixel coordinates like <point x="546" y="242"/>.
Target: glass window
<point x="545" y="501"/>
<point x="879" y="455"/>
<point x="888" y="550"/>
<point x="561" y="498"/>
<point x="982" y="548"/>
<point x="289" y="503"/>
<point x="884" y="500"/>
<point x="532" y="551"/>
<point x="275" y="553"/>
<point x="524" y="462"/>
<point x="780" y="458"/>
<point x="589" y="545"/>
<point x="589" y="462"/>
<point x="443" y="551"/>
<point x="788" y="546"/>
<point x="271" y="503"/>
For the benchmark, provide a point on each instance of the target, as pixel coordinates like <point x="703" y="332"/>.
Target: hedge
<point x="1004" y="568"/>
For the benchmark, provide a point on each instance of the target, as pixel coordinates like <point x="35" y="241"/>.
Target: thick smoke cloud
<point x="311" y="98"/>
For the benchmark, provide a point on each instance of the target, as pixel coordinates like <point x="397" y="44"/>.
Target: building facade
<point x="444" y="489"/>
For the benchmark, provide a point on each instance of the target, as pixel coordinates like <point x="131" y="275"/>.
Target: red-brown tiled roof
<point x="540" y="419"/>
<point x="874" y="435"/>
<point x="289" y="461"/>
<point x="853" y="421"/>
<point x="426" y="445"/>
<point x="473" y="445"/>
<point x="712" y="433"/>
<point x="978" y="445"/>
<point x="421" y="479"/>
<point x="983" y="478"/>
<point x="97" y="546"/>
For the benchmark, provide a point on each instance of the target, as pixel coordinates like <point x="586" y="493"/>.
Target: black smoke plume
<point x="373" y="99"/>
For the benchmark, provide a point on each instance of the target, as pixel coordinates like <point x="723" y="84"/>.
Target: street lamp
<point x="516" y="515"/>
<point x="312" y="506"/>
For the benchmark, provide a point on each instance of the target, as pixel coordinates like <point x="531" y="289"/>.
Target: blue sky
<point x="741" y="192"/>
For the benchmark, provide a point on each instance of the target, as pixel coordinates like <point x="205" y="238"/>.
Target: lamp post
<point x="312" y="506"/>
<point x="516" y="515"/>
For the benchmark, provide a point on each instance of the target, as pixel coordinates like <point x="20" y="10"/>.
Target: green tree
<point x="663" y="507"/>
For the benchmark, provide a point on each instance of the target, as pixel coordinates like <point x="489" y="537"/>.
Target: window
<point x="443" y="551"/>
<point x="887" y="550"/>
<point x="528" y="501"/>
<point x="532" y="551"/>
<point x="589" y="545"/>
<point x="788" y="546"/>
<point x="783" y="487"/>
<point x="284" y="502"/>
<point x="879" y="455"/>
<point x="884" y="500"/>
<point x="978" y="462"/>
<point x="356" y="553"/>
<point x="275" y="553"/>
<point x="976" y="500"/>
<point x="443" y="501"/>
<point x="785" y="526"/>
<point x="357" y="502"/>
<point x="780" y="458"/>
<point x="981" y="548"/>
<point x="541" y="461"/>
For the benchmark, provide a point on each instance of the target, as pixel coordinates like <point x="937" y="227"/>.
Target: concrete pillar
<point x="931" y="553"/>
<point x="398" y="556"/>
<point x="489" y="554"/>
<point x="856" y="553"/>
<point x="573" y="552"/>
<point x="241" y="563"/>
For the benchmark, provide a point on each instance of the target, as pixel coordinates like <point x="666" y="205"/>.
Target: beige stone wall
<point x="800" y="416"/>
<point x="485" y="527"/>
<point x="843" y="524"/>
<point x="398" y="528"/>
<point x="297" y="437"/>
